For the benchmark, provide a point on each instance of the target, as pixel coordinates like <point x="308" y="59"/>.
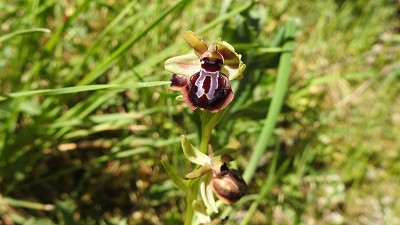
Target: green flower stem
<point x="205" y="139"/>
<point x="190" y="187"/>
<point x="191" y="195"/>
<point x="206" y="130"/>
<point x="189" y="210"/>
<point x="208" y="122"/>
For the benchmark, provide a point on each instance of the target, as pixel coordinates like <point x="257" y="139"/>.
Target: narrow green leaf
<point x="281" y="86"/>
<point x="114" y="23"/>
<point x="25" y="31"/>
<point x="269" y="181"/>
<point x="115" y="56"/>
<point x="173" y="174"/>
<point x="77" y="89"/>
<point x="28" y="204"/>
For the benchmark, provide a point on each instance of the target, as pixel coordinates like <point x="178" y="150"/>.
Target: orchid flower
<point x="203" y="77"/>
<point x="215" y="176"/>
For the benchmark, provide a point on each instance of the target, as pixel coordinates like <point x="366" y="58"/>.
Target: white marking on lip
<point x="213" y="83"/>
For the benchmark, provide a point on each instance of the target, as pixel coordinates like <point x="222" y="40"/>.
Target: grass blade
<point x="276" y="104"/>
<point x="77" y="89"/>
<point x="25" y="31"/>
<point x="114" y="57"/>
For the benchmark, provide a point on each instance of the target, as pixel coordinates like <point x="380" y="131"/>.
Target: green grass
<point x="86" y="115"/>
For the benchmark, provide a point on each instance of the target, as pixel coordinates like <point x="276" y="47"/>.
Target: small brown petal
<point x="178" y="82"/>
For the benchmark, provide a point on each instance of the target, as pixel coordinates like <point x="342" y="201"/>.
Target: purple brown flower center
<point x="207" y="89"/>
<point x="209" y="80"/>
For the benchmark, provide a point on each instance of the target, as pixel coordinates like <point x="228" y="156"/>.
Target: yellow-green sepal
<point x="192" y="154"/>
<point x="233" y="66"/>
<point x="185" y="65"/>
<point x="198" y="45"/>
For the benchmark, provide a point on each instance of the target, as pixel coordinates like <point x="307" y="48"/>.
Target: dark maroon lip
<point x="207" y="89"/>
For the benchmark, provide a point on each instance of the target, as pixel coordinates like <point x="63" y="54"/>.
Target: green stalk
<point x="208" y="122"/>
<point x="189" y="209"/>
<point x="281" y="86"/>
<point x="191" y="194"/>
<point x="28" y="204"/>
<point x="205" y="138"/>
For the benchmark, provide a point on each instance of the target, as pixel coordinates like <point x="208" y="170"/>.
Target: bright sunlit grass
<point x="86" y="116"/>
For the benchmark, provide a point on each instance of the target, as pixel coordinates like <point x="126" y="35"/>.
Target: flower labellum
<point x="228" y="185"/>
<point x="204" y="77"/>
<point x="209" y="88"/>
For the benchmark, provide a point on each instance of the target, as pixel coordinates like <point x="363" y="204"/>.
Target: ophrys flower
<point x="215" y="176"/>
<point x="203" y="77"/>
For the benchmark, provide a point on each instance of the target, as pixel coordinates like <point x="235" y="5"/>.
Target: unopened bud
<point x="229" y="185"/>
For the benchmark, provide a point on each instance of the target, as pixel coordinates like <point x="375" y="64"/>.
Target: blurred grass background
<point x="93" y="157"/>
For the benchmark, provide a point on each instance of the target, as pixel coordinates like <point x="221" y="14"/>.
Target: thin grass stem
<point x="276" y="104"/>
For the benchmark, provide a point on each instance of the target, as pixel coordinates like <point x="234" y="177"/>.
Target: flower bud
<point x="229" y="185"/>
